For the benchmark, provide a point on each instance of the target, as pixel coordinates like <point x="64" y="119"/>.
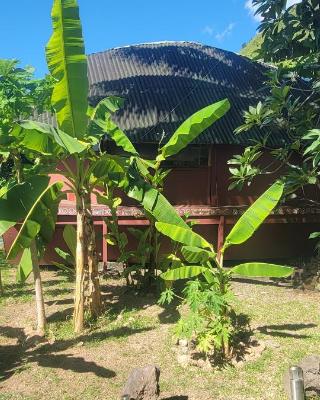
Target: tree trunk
<point x="94" y="293"/>
<point x="1" y="286"/>
<point x="41" y="315"/>
<point x="78" y="316"/>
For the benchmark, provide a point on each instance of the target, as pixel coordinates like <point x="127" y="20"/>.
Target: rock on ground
<point x="142" y="384"/>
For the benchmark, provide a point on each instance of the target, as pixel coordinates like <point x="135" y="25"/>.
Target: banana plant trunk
<point x="78" y="316"/>
<point x="93" y="293"/>
<point x="40" y="307"/>
<point x="1" y="286"/>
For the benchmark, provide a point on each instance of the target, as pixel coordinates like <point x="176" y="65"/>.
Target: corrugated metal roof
<point x="164" y="83"/>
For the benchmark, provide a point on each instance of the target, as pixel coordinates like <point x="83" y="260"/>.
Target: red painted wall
<point x="208" y="185"/>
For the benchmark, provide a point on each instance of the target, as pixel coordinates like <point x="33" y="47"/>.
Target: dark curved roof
<point x="164" y="83"/>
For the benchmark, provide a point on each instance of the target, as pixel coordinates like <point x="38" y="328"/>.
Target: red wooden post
<point x="104" y="244"/>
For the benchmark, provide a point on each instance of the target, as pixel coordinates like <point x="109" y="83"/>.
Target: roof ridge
<point x="161" y="42"/>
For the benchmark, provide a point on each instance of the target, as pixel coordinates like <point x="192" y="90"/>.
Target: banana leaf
<point x="196" y="255"/>
<point x="193" y="127"/>
<point x="185" y="272"/>
<point x="183" y="235"/>
<point x="46" y="139"/>
<point x="40" y="221"/>
<point x="67" y="63"/>
<point x="70" y="237"/>
<point x="250" y="221"/>
<point x="19" y="199"/>
<point x="256" y="269"/>
<point x="25" y="266"/>
<point x="152" y="200"/>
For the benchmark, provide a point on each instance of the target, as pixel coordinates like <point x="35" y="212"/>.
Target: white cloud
<point x="292" y="2"/>
<point x="220" y="36"/>
<point x="252" y="9"/>
<point x="208" y="30"/>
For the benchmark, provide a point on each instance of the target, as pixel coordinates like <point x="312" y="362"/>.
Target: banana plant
<point x="146" y="177"/>
<point x="69" y="258"/>
<point x="211" y="319"/>
<point x="59" y="148"/>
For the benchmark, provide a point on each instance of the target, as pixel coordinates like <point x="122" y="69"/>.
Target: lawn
<point x="135" y="331"/>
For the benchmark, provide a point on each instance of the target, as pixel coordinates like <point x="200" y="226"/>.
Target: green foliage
<point x="67" y="63"/>
<point x="290" y="32"/>
<point x="250" y="221"/>
<point x="69" y="259"/>
<point x="209" y="316"/>
<point x="184" y="272"/>
<point x="291" y="39"/>
<point x="25" y="266"/>
<point x="209" y="320"/>
<point x="262" y="270"/>
<point x="45" y="139"/>
<point x="195" y="255"/>
<point x="183" y="235"/>
<point x="252" y="48"/>
<point x="40" y="221"/>
<point x="21" y="95"/>
<point x="18" y="201"/>
<point x="192" y="127"/>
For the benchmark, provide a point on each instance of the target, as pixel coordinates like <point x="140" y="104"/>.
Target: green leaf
<point x="314" y="235"/>
<point x="196" y="255"/>
<point x="46" y="139"/>
<point x="109" y="169"/>
<point x="25" y="266"/>
<point x="182" y="235"/>
<point x="250" y="221"/>
<point x="70" y="237"/>
<point x="67" y="63"/>
<point x="106" y="126"/>
<point x="152" y="200"/>
<point x="110" y="104"/>
<point x="40" y="220"/>
<point x="64" y="268"/>
<point x="19" y="199"/>
<point x="193" y="127"/>
<point x="68" y="258"/>
<point x="262" y="270"/>
<point x="186" y="272"/>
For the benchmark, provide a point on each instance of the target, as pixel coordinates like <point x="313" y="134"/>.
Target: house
<point x="163" y="84"/>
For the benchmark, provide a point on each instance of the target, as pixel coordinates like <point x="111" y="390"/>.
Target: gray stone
<point x="142" y="384"/>
<point x="311" y="373"/>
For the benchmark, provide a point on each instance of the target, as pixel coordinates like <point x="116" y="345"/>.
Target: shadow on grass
<point x="176" y="398"/>
<point x="286" y="330"/>
<point x="16" y="290"/>
<point x="59" y="302"/>
<point x="15" y="356"/>
<point x="57" y="292"/>
<point x="60" y="316"/>
<point x="262" y="282"/>
<point x="75" y="364"/>
<point x="131" y="300"/>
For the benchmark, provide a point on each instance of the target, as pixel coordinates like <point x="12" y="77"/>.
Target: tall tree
<point x="21" y="95"/>
<point x="291" y="40"/>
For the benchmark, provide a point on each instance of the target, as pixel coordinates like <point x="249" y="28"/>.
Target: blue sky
<point x="25" y="26"/>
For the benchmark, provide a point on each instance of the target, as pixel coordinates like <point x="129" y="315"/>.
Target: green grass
<point x="12" y="291"/>
<point x="126" y="336"/>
